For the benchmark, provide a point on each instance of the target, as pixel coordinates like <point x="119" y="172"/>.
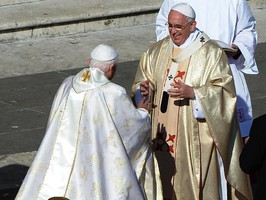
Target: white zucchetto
<point x="104" y="53"/>
<point x="185" y="9"/>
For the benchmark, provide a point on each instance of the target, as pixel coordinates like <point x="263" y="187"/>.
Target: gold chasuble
<point x="188" y="149"/>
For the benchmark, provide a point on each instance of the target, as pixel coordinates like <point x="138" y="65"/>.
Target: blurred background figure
<point x="253" y="156"/>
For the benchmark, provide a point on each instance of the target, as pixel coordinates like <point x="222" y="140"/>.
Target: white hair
<point x="102" y="65"/>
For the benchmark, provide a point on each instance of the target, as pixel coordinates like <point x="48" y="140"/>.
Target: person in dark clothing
<point x="253" y="155"/>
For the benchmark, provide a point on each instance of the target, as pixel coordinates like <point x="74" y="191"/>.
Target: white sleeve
<point x="197" y="110"/>
<point x="143" y="112"/>
<point x="246" y="37"/>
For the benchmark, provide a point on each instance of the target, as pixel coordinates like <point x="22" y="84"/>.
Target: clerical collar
<point x="96" y="68"/>
<point x="192" y="37"/>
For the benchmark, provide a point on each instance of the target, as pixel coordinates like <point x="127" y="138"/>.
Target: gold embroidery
<point x="97" y="191"/>
<point x="94" y="160"/>
<point x="84" y="175"/>
<point x="112" y="110"/>
<point x="118" y="185"/>
<point x="119" y="163"/>
<point x="127" y="125"/>
<point x="86" y="138"/>
<point x="98" y="119"/>
<point x="86" y="76"/>
<point x="110" y="140"/>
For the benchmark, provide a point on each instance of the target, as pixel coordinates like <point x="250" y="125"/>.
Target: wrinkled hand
<point x="144" y="88"/>
<point x="145" y="104"/>
<point x="181" y="90"/>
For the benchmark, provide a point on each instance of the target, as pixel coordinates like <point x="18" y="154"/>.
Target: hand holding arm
<point x="144" y="88"/>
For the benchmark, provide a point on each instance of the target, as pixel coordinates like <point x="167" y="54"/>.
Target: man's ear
<point x="112" y="67"/>
<point x="193" y="26"/>
<point x="89" y="61"/>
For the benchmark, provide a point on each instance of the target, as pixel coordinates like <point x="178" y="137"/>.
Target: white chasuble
<point x="96" y="146"/>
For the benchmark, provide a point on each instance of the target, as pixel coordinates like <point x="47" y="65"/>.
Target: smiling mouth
<point x="176" y="35"/>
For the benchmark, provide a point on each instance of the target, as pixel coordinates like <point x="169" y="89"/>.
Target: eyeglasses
<point x="177" y="27"/>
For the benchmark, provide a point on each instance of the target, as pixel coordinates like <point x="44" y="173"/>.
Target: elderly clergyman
<point x="97" y="142"/>
<point x="195" y="132"/>
<point x="232" y="22"/>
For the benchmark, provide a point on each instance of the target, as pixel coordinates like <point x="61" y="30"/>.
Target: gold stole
<point x="184" y="162"/>
<point x="180" y="179"/>
<point x="167" y="119"/>
<point x="167" y="130"/>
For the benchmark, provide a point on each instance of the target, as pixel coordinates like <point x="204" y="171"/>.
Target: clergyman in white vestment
<point x="96" y="145"/>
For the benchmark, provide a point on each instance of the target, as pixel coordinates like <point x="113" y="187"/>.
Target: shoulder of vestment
<point x="157" y="46"/>
<point x="212" y="46"/>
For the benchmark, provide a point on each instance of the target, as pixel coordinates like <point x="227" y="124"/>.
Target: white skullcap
<point x="104" y="53"/>
<point x="185" y="9"/>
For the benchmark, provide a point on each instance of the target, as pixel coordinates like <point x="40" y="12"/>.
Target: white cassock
<point x="230" y="21"/>
<point x="96" y="146"/>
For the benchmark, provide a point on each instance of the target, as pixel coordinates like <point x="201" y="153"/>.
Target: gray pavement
<point x="56" y="35"/>
<point x="35" y="18"/>
<point x="33" y="66"/>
